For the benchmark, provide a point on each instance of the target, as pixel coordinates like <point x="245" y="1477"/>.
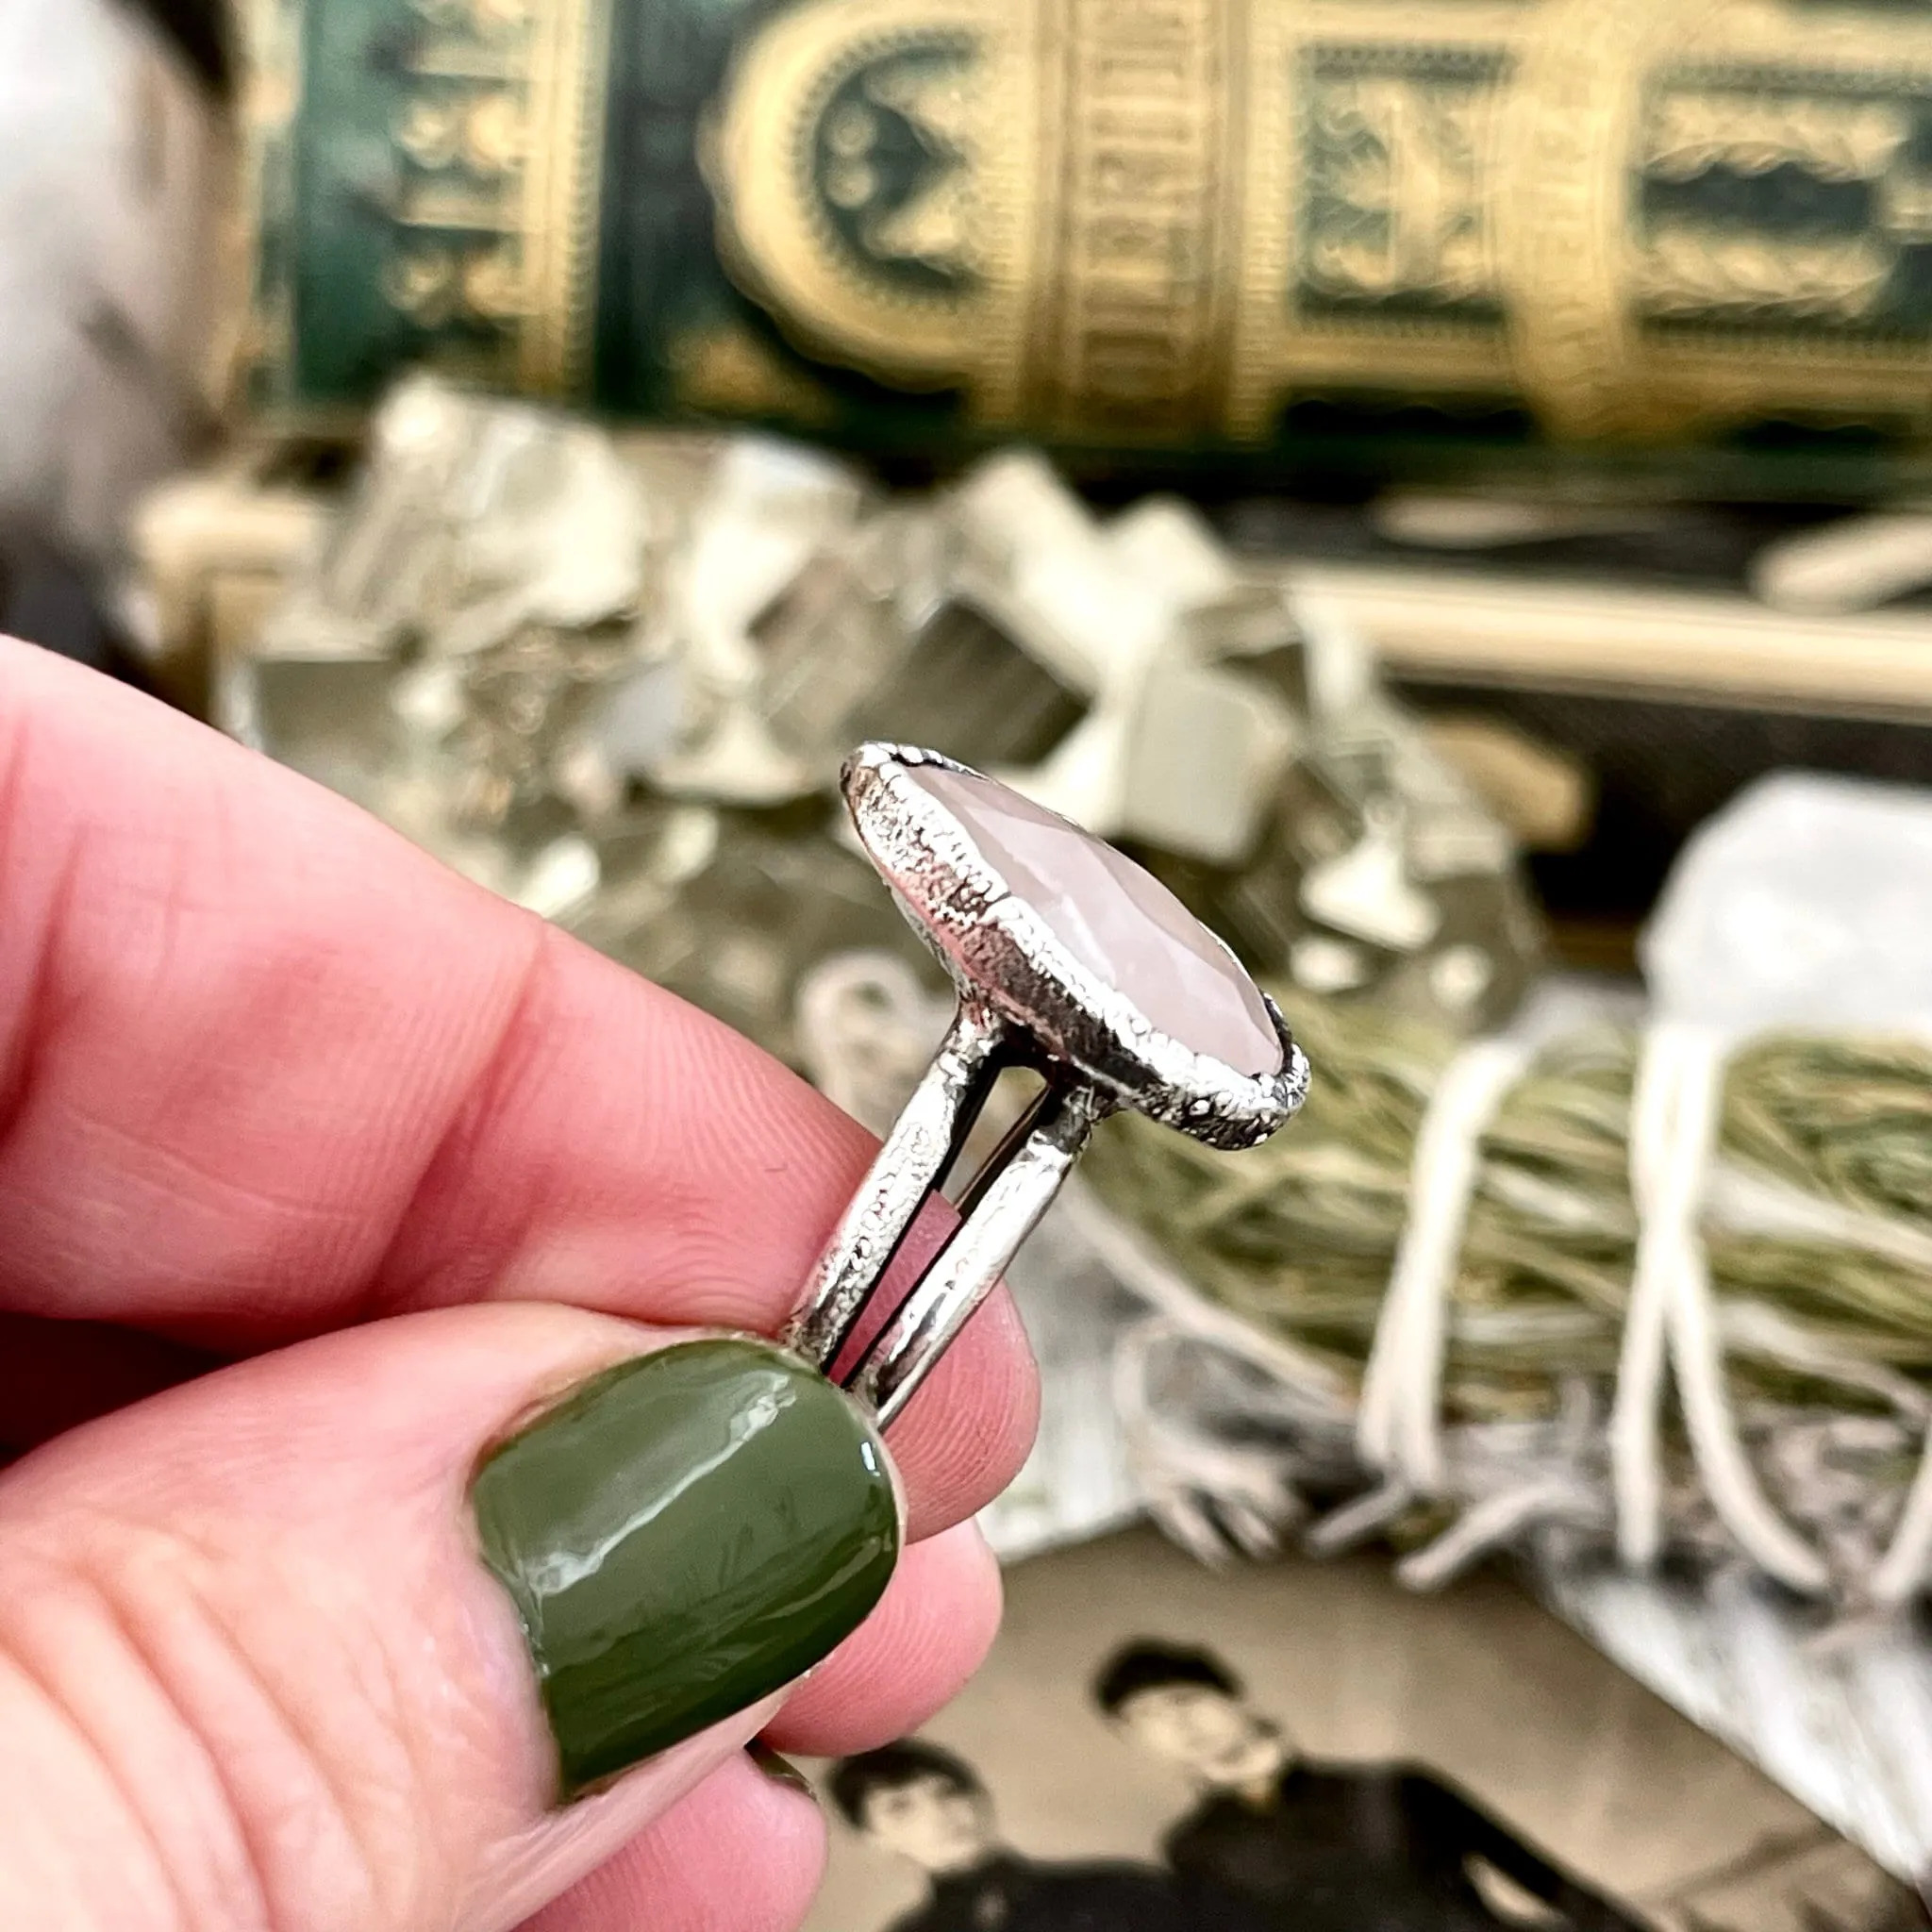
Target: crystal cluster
<point x="614" y="678"/>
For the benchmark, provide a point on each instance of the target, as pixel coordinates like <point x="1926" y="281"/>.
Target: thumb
<point x="362" y="1633"/>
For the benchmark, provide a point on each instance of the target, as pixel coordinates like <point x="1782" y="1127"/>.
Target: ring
<point x="1069" y="960"/>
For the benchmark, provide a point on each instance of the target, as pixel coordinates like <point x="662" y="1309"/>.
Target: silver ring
<point x="969" y="862"/>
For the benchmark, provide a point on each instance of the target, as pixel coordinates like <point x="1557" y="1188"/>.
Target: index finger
<point x="266" y="1069"/>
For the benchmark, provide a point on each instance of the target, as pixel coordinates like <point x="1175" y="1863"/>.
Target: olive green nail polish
<point x="683" y="1535"/>
<point x="780" y="1769"/>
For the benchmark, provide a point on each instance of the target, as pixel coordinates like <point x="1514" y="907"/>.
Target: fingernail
<point x="683" y="1535"/>
<point x="779" y="1769"/>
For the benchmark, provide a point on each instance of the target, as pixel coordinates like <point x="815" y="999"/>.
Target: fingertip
<point x="743" y="1850"/>
<point x="912" y="1655"/>
<point x="306" y="1076"/>
<point x="968" y="1431"/>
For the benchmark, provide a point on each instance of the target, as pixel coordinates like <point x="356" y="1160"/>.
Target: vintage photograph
<point x="1305" y="1745"/>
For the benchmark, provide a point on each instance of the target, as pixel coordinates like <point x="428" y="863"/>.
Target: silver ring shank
<point x="998" y="1209"/>
<point x="912" y="1164"/>
<point x="1004" y="1213"/>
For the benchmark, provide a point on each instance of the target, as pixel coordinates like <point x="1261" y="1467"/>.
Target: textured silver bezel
<point x="998" y="949"/>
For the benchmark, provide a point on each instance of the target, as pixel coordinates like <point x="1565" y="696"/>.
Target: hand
<point x="322" y="1171"/>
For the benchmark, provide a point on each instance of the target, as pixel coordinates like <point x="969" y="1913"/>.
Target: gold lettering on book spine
<point x="496" y="208"/>
<point x="1131" y="303"/>
<point x="1172" y="217"/>
<point x="494" y="205"/>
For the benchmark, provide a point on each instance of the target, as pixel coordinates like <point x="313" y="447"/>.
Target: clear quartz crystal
<point x="1116" y="920"/>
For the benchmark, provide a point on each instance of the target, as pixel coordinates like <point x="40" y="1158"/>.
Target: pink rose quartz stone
<point x="1118" y="921"/>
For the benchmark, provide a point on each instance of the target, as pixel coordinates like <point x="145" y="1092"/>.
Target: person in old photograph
<point x="929" y="1806"/>
<point x="1322" y="1847"/>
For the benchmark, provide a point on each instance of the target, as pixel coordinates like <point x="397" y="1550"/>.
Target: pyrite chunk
<point x="614" y="678"/>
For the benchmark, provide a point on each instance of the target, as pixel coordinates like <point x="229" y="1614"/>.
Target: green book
<point x="1241" y="241"/>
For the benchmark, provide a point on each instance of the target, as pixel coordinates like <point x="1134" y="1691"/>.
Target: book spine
<point x="1255" y="237"/>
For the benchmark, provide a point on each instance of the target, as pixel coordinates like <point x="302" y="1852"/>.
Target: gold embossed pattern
<point x="1171" y="218"/>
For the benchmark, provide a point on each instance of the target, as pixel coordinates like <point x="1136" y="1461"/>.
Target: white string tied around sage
<point x="865" y="1022"/>
<point x="1675" y="1107"/>
<point x="1399" y="1429"/>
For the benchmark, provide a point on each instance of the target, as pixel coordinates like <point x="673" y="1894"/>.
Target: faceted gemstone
<point x="1116" y="920"/>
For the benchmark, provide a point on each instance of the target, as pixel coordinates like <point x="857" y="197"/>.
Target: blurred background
<point x="1612" y="456"/>
<point x="1448" y="487"/>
